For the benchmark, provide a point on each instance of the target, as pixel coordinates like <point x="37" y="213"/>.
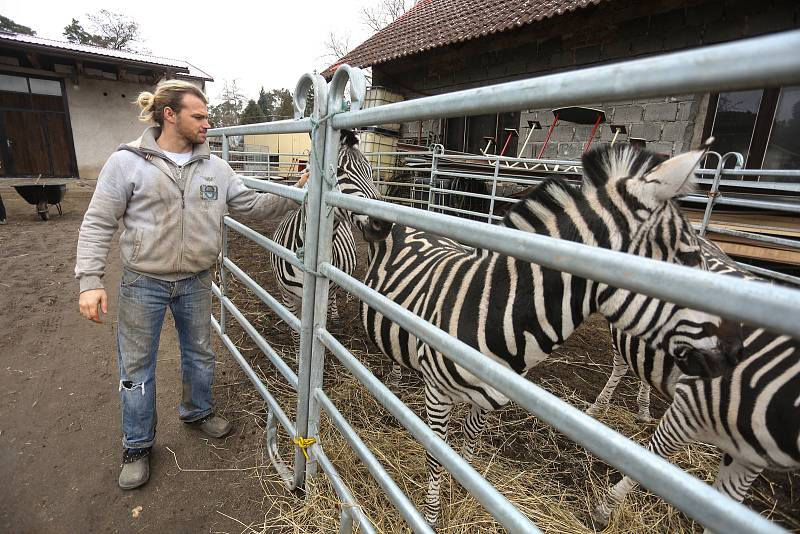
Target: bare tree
<point x="109" y="30"/>
<point x="384" y="13"/>
<point x="374" y="17"/>
<point x="337" y="45"/>
<point x="228" y="112"/>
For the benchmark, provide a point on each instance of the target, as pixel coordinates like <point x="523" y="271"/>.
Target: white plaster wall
<point x="100" y="123"/>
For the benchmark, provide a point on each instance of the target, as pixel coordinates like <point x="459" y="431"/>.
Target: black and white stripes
<point x="353" y="176"/>
<point x="752" y="414"/>
<point x="517" y="313"/>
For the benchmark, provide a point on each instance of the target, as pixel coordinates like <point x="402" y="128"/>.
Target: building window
<point x="763" y="125"/>
<point x="783" y="148"/>
<point x="735" y="120"/>
<point x="473" y="134"/>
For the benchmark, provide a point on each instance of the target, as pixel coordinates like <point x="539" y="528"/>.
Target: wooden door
<point x="35" y="135"/>
<point x="27" y="148"/>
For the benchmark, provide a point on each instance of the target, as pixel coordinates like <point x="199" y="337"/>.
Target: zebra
<point x="751" y="414"/>
<point x="517" y="313"/>
<point x="353" y="176"/>
<point x="290" y="233"/>
<point x="654" y="367"/>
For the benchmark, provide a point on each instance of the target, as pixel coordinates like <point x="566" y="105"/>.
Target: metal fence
<point x="434" y="180"/>
<point x="758" y="62"/>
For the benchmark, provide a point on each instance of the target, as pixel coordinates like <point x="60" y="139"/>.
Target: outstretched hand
<point x="301" y="181"/>
<point x="93" y="301"/>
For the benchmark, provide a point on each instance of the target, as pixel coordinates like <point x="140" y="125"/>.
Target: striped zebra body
<point x="290" y="233"/>
<point x="751" y="414"/>
<point x="353" y="177"/>
<point x="654" y="367"/>
<point x="517" y="313"/>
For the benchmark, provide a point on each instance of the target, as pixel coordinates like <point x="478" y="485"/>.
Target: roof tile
<point x="434" y="23"/>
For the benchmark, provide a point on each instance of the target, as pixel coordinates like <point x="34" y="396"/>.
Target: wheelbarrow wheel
<point x="42" y="210"/>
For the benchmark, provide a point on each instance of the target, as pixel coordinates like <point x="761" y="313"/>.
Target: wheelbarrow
<point x="42" y="196"/>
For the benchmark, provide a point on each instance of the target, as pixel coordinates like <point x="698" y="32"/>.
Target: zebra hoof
<point x="594" y="410"/>
<point x="644" y="418"/>
<point x="596" y="520"/>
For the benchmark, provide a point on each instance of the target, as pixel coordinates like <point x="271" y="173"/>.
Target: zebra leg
<point x="617" y="372"/>
<point x="474" y="422"/>
<point x="734" y="479"/>
<point x="333" y="309"/>
<point x="672" y="433"/>
<point x="437" y="409"/>
<point x="393" y="378"/>
<point x="643" y="400"/>
<point x="293" y="304"/>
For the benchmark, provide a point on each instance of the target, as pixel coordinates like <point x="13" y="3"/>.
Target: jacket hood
<point x="146" y="145"/>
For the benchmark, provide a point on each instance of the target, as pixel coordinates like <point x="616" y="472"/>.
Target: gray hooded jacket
<point x="171" y="232"/>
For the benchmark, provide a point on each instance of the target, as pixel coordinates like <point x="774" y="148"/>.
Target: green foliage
<point x="276" y="104"/>
<point x="10" y="26"/>
<point x="252" y="114"/>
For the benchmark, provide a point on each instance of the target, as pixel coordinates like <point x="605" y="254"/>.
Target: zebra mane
<point x="544" y="209"/>
<point x="617" y="162"/>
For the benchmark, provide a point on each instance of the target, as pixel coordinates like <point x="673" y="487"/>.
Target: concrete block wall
<point x="663" y="123"/>
<point x="605" y="33"/>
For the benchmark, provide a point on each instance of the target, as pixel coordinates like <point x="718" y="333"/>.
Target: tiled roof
<point x="433" y="23"/>
<point x="183" y="68"/>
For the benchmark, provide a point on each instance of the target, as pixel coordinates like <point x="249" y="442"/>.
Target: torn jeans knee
<point x="129" y="385"/>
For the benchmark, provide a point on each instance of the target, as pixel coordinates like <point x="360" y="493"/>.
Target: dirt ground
<point x="60" y="448"/>
<point x="60" y="438"/>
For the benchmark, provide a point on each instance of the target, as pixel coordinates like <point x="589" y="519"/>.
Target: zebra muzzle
<point x="376" y="229"/>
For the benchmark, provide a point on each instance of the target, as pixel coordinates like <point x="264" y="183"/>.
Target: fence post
<point x="714" y="192"/>
<point x="312" y="211"/>
<point x="437" y="151"/>
<point x="225" y="148"/>
<point x="358" y="84"/>
<point x="494" y="189"/>
<point x="223" y="278"/>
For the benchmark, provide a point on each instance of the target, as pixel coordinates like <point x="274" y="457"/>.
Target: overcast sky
<point x="270" y="43"/>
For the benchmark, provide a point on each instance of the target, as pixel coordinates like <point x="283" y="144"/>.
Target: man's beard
<point x="192" y="136"/>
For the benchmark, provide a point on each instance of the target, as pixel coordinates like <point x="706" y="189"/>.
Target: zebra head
<point x="354" y="177"/>
<point x="633" y="192"/>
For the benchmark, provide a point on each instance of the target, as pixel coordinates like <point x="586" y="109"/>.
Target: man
<point x="171" y="195"/>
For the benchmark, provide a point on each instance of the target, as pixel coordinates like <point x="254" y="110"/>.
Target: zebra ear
<point x="675" y="176"/>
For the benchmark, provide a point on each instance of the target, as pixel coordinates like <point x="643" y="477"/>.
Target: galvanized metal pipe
<point x="295" y="193"/>
<point x="264" y="242"/>
<point x="277" y="127"/>
<point x="770" y="274"/>
<point x="773" y="307"/>
<point x="390" y="488"/>
<point x="789" y="243"/>
<point x="699" y="500"/>
<point x="255" y="380"/>
<point x="316" y="84"/>
<point x="787" y="207"/>
<point x="263" y="295"/>
<point x="494" y="502"/>
<point x="317" y="454"/>
<point x="769" y="61"/>
<point x="259" y="340"/>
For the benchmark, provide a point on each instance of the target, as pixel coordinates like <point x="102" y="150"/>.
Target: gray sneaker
<point x="135" y="468"/>
<point x="212" y="425"/>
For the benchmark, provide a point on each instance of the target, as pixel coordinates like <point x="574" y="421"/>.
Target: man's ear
<point x="169" y="114"/>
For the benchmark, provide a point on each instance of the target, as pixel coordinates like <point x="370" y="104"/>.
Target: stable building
<point x="441" y="46"/>
<point x="65" y="107"/>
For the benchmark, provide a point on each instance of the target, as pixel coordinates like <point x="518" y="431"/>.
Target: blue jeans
<point x="143" y="302"/>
